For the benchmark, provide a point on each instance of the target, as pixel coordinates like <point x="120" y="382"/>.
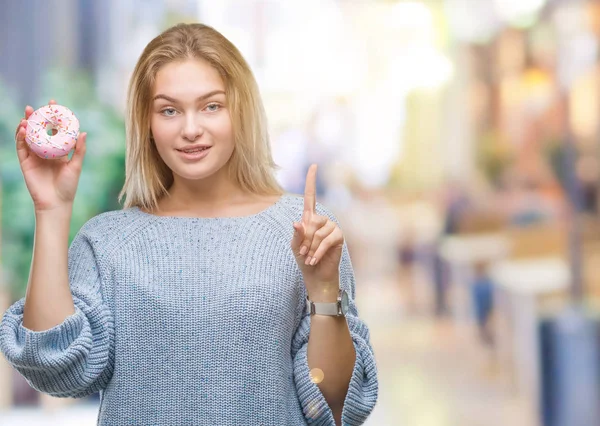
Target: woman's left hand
<point x="317" y="245"/>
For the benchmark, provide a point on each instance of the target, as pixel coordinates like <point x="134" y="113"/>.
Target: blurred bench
<point x="462" y="253"/>
<point x="480" y="239"/>
<point x="534" y="277"/>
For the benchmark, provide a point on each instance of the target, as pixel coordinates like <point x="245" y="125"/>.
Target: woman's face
<point x="189" y="111"/>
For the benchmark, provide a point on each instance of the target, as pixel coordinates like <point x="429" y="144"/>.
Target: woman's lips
<point x="196" y="155"/>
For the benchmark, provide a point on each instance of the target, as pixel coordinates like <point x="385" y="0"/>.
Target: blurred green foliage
<point x="100" y="182"/>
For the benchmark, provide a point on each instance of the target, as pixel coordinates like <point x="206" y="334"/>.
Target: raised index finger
<point x="310" y="190"/>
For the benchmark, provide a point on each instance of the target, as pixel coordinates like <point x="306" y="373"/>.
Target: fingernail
<point x="313" y="261"/>
<point x="303" y="250"/>
<point x="307" y="260"/>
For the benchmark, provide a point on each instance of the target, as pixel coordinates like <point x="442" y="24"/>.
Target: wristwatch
<point x="336" y="309"/>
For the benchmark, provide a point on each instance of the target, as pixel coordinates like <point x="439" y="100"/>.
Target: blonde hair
<point x="251" y="166"/>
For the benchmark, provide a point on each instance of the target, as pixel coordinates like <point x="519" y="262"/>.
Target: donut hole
<point x="51" y="131"/>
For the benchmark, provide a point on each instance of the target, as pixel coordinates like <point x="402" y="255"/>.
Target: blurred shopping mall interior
<point x="458" y="143"/>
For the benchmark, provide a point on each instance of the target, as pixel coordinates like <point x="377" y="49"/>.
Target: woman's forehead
<point x="189" y="79"/>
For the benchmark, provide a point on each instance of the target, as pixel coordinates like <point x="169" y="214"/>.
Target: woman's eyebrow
<point x="200" y="98"/>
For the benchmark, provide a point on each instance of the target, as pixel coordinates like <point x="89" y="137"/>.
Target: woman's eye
<point x="213" y="107"/>
<point x="169" y="112"/>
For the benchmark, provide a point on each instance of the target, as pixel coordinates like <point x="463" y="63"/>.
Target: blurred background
<point x="458" y="143"/>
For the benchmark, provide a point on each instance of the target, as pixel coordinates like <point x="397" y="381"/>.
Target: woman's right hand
<point x="52" y="183"/>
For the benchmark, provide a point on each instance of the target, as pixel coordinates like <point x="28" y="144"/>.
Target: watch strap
<point x="324" y="308"/>
<point x="318" y="308"/>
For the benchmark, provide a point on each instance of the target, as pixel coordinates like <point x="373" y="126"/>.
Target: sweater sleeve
<point x="76" y="357"/>
<point x="364" y="385"/>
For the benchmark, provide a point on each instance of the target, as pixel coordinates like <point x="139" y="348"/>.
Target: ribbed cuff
<point x="25" y="347"/>
<point x="315" y="407"/>
<point x="362" y="391"/>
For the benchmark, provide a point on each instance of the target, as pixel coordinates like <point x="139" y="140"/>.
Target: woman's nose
<point x="193" y="128"/>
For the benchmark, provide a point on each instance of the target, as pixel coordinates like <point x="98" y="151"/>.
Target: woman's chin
<point x="189" y="174"/>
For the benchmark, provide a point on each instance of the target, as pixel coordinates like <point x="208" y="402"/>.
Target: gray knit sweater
<point x="190" y="321"/>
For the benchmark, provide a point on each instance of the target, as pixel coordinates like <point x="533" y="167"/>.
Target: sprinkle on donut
<point x="40" y="126"/>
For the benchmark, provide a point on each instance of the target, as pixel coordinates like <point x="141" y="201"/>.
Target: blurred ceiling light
<point x="415" y="61"/>
<point x="476" y="21"/>
<point x="377" y="131"/>
<point x="298" y="64"/>
<point x="325" y="58"/>
<point x="420" y="68"/>
<point x="471" y="21"/>
<point x="518" y="12"/>
<point x="410" y="15"/>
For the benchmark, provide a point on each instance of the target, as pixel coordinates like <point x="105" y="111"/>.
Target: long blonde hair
<point x="147" y="177"/>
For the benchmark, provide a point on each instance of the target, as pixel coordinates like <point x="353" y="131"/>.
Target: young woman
<point x="213" y="297"/>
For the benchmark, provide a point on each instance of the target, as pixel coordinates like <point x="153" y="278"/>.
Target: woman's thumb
<point x="80" y="148"/>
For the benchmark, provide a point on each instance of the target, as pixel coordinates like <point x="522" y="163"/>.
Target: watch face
<point x="345" y="302"/>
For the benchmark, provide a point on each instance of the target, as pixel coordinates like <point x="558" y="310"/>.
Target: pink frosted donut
<point x="39" y="131"/>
